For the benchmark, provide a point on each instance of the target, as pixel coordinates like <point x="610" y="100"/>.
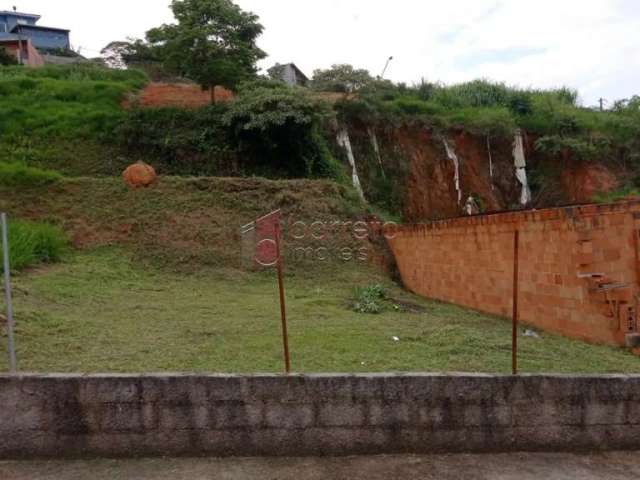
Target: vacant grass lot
<point x="99" y="312"/>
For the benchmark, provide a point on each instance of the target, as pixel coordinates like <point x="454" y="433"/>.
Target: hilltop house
<point x="290" y="74"/>
<point x="20" y="35"/>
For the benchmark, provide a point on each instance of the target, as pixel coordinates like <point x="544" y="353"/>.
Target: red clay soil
<point x="583" y="182"/>
<point x="431" y="191"/>
<point x="475" y="172"/>
<point x="182" y="95"/>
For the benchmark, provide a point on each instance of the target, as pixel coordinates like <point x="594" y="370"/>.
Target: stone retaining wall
<point x="42" y="416"/>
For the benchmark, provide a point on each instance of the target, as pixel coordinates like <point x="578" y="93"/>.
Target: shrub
<point x="31" y="243"/>
<point x="369" y="299"/>
<point x="278" y="128"/>
<point x="19" y="174"/>
<point x="339" y="78"/>
<point x="187" y="142"/>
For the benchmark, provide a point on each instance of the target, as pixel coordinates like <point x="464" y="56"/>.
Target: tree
<point x="341" y="78"/>
<point x="114" y="54"/>
<point x="213" y="43"/>
<point x="276" y="72"/>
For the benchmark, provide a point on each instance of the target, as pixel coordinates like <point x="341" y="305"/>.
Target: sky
<point x="590" y="45"/>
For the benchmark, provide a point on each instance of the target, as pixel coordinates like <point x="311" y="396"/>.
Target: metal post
<point x="516" y="268"/>
<point x="283" y="308"/>
<point x="386" y="66"/>
<point x="7" y="293"/>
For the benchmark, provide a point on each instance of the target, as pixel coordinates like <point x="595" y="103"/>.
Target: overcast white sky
<point x="591" y="45"/>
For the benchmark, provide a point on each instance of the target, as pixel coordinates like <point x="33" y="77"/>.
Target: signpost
<point x="516" y="272"/>
<point x="283" y="306"/>
<point x="268" y="253"/>
<point x="7" y="293"/>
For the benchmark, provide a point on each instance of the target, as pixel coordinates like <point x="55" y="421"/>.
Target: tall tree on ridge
<point x="212" y="43"/>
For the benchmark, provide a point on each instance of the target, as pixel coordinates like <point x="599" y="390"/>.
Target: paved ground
<point x="526" y="466"/>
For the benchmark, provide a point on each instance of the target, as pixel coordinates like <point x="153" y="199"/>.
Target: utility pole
<point x="385" y="67"/>
<point x="602" y="101"/>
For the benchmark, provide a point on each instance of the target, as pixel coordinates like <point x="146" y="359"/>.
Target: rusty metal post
<point x="283" y="308"/>
<point x="516" y="271"/>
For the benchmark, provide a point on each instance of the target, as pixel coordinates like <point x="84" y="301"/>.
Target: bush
<point x="19" y="174"/>
<point x="180" y="141"/>
<point x="369" y="299"/>
<point x="31" y="243"/>
<point x="278" y="128"/>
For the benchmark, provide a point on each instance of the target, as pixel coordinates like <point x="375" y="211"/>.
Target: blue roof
<point x="18" y="14"/>
<point x="38" y="27"/>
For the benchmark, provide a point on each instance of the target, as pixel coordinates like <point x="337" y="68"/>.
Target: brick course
<point x="469" y="261"/>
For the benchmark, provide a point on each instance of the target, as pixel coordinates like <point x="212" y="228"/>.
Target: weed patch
<point x="31" y="243"/>
<point x="19" y="174"/>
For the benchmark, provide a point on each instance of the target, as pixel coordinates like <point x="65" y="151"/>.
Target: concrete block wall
<point x="469" y="261"/>
<point x="66" y="415"/>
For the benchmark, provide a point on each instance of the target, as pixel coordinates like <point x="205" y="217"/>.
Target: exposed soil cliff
<point x="410" y="170"/>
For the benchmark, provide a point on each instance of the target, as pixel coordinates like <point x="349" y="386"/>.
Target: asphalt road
<point x="524" y="466"/>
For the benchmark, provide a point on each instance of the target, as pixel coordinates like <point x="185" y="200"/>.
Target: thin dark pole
<point x="283" y="307"/>
<point x="516" y="268"/>
<point x="13" y="364"/>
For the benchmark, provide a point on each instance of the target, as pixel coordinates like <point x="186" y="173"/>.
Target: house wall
<point x="30" y="56"/>
<point x="47" y="39"/>
<point x="470" y="261"/>
<point x="177" y="415"/>
<point x="289" y="75"/>
<point x="7" y="22"/>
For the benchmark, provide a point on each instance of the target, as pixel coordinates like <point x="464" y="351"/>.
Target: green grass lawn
<point x="99" y="312"/>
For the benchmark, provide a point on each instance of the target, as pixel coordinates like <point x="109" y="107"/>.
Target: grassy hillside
<point x="157" y="284"/>
<point x="555" y="117"/>
<point x="70" y="119"/>
<point x="185" y="223"/>
<point x="63" y="117"/>
<point x="100" y="312"/>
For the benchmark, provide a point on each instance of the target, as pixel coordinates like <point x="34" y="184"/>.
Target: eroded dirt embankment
<point x="433" y="174"/>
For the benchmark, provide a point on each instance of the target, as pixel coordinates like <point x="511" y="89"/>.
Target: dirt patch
<point x="431" y="191"/>
<point x="583" y="182"/>
<point x="183" y="95"/>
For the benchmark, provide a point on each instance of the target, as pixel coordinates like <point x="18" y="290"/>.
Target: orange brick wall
<point x="469" y="261"/>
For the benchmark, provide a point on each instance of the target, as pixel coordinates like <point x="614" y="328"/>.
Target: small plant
<point x="370" y="299"/>
<point x="21" y="175"/>
<point x="31" y="243"/>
